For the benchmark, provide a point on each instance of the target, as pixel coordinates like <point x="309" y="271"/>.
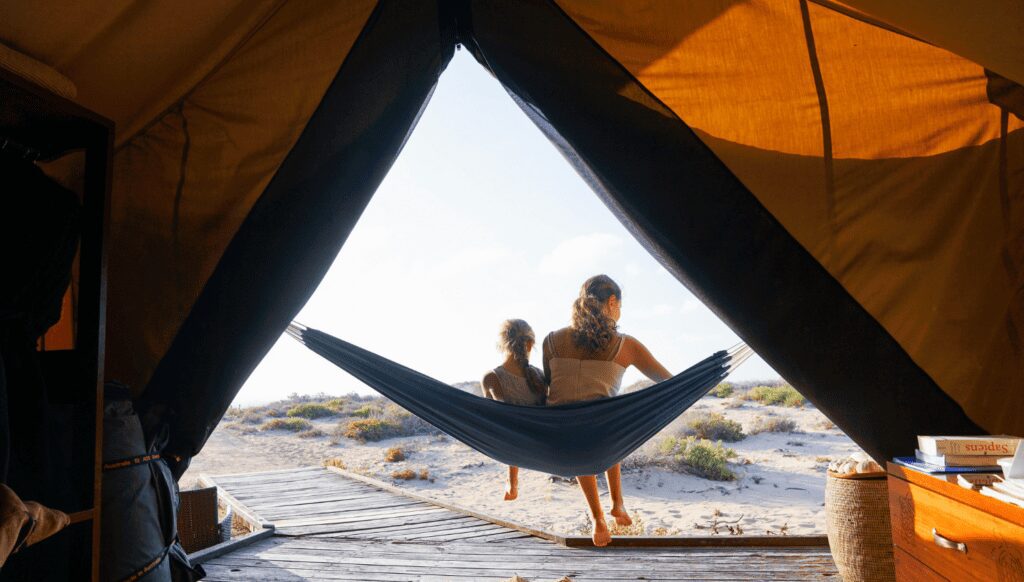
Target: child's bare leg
<point x="512" y="487"/>
<point x="588" y="484"/>
<point x="614" y="476"/>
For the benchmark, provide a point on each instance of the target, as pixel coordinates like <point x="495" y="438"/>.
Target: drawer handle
<point x="944" y="542"/>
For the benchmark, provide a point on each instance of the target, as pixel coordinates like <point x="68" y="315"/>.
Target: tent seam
<point x="213" y="70"/>
<point x="826" y="126"/>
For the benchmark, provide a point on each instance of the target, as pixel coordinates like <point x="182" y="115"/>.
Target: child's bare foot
<point x="601" y="536"/>
<point x="621" y="516"/>
<point x="511" y="492"/>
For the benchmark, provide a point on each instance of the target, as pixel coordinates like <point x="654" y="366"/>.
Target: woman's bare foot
<point x="511" y="492"/>
<point x="601" y="536"/>
<point x="621" y="516"/>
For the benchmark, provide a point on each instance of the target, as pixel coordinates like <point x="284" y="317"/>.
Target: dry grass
<point x="311" y="434"/>
<point x="333" y="462"/>
<point x="404" y="474"/>
<point x="773" y="424"/>
<point x="394" y="455"/>
<point x="424" y="474"/>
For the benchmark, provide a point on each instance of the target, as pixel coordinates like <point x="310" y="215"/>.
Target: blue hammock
<point x="581" y="438"/>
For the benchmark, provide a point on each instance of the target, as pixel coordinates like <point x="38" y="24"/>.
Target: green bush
<point x="366" y="411"/>
<point x="372" y="429"/>
<point x="723" y="390"/>
<point x="289" y="424"/>
<point x="716" y="427"/>
<point x="784" y="395"/>
<point x="336" y="404"/>
<point x="699" y="456"/>
<point x="310" y="410"/>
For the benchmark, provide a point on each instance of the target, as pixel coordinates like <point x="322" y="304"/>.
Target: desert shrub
<point x="784" y="395"/>
<point x="716" y="427"/>
<point x="310" y="434"/>
<point x="310" y="410"/>
<point x="251" y="415"/>
<point x="404" y="474"/>
<point x="366" y="411"/>
<point x="334" y="462"/>
<point x="826" y="424"/>
<point x="424" y="474"/>
<point x="409" y="423"/>
<point x="699" y="456"/>
<point x="337" y="404"/>
<point x="289" y="424"/>
<point x="773" y="424"/>
<point x="723" y="390"/>
<point x="394" y="454"/>
<point x="372" y="429"/>
<point x="243" y="428"/>
<point x="274" y="412"/>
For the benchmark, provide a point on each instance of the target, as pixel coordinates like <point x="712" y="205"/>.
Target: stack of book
<point x="1009" y="488"/>
<point x="960" y="454"/>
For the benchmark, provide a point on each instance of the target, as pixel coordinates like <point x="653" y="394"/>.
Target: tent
<point x="861" y="162"/>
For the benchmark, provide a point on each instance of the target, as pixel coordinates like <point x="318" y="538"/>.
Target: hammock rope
<point x="580" y="438"/>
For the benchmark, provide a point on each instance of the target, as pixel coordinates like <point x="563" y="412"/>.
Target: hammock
<point x="580" y="438"/>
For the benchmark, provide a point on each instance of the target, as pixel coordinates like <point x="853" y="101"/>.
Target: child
<point x="515" y="381"/>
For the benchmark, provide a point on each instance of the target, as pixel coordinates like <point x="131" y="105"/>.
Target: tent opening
<point x="479" y="220"/>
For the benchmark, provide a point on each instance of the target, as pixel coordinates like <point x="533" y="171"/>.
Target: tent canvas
<point x="868" y="156"/>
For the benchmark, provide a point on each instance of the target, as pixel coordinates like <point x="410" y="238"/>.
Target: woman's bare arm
<point x="636" y="354"/>
<point x="490" y="386"/>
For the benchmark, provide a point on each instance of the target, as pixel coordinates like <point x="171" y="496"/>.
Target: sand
<point x="779" y="490"/>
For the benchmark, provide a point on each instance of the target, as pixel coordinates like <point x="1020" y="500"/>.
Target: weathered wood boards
<point x="332" y="526"/>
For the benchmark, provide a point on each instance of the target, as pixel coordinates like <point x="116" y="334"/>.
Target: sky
<point x="481" y="219"/>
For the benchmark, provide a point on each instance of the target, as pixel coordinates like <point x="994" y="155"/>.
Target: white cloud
<point x="585" y="253"/>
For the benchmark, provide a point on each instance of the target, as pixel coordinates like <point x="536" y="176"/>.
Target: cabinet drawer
<point x="909" y="569"/>
<point x="956" y="540"/>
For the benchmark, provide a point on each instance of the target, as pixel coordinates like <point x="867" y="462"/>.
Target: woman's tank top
<point x="515" y="389"/>
<point x="573" y="379"/>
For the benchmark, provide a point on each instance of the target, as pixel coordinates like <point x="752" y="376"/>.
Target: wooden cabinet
<point x="942" y="531"/>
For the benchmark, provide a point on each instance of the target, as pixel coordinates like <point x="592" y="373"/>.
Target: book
<point x="958" y="460"/>
<point x="977" y="480"/>
<point x="1009" y="488"/>
<point x="913" y="463"/>
<point x="990" y="492"/>
<point x="995" y="445"/>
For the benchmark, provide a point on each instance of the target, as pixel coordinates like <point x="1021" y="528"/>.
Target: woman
<point x="515" y="381"/>
<point x="586" y="361"/>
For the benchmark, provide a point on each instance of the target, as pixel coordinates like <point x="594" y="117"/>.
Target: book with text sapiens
<point x="989" y="445"/>
<point x="958" y="460"/>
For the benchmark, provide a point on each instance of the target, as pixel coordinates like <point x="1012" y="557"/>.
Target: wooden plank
<point x="345" y="566"/>
<point x="359" y="517"/>
<point x="250" y="517"/>
<point x="229" y="546"/>
<point x="701" y="541"/>
<point x="449" y="506"/>
<point x="343" y="507"/>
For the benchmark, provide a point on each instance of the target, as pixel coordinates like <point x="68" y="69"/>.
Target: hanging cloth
<point x="579" y="438"/>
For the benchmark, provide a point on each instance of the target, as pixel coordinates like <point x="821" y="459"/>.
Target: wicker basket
<point x="859" y="534"/>
<point x="197" y="519"/>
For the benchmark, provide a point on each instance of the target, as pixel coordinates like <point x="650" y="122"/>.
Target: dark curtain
<point x="678" y="199"/>
<point x="293" y="233"/>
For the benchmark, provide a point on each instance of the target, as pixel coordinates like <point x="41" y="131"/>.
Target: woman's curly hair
<point x="514" y="335"/>
<point x="592" y="330"/>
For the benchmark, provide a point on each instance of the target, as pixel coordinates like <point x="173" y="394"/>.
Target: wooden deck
<point x="329" y="526"/>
